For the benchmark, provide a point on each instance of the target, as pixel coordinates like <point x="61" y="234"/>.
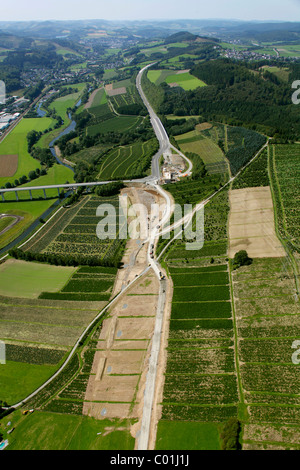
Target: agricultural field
<point x="192" y="192"/>
<point x="239" y="144"/>
<point x="39" y="328"/>
<point x="8" y="165"/>
<point x="75" y="232"/>
<point x="201" y="383"/>
<point x="119" y="124"/>
<point x="210" y="153"/>
<point x="130" y="161"/>
<point x="53" y="431"/>
<point x="255" y="175"/>
<point x="268" y="324"/>
<point x="22" y="279"/>
<point x="184" y="435"/>
<point x="252" y="224"/>
<point x="16" y="144"/>
<point x="175" y="78"/>
<point x="88" y="284"/>
<point x="99" y="98"/>
<point x="285" y="177"/>
<point x="200" y="379"/>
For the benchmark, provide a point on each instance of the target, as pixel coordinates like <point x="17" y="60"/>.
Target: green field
<point x="22" y="279"/>
<point x="57" y="174"/>
<point x="184" y="80"/>
<point x="29" y="211"/>
<point x="281" y="72"/>
<point x="178" y="435"/>
<point x="116" y="124"/>
<point x="5" y="222"/>
<point x="208" y="151"/>
<point x="100" y="98"/>
<point x="51" y="431"/>
<point x="130" y="161"/>
<point x="109" y="74"/>
<point x="62" y="104"/>
<point x="16" y="144"/>
<point x="28" y="377"/>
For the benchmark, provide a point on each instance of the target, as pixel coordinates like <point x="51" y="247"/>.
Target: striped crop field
<point x="130" y="161"/>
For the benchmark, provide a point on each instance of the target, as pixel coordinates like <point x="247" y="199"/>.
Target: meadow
<point x="22" y="279"/>
<point x="27" y="376"/>
<point x="51" y="431"/>
<point x="16" y="144"/>
<point x="184" y="80"/>
<point x="178" y="435"/>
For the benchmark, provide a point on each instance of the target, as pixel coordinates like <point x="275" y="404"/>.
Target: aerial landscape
<point x="150" y="228"/>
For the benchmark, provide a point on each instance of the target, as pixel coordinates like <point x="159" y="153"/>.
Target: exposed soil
<point x="8" y="165"/>
<point x="252" y="225"/>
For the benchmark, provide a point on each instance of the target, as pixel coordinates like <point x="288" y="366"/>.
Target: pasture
<point x="52" y="431"/>
<point x="22" y="279"/>
<point x="182" y="78"/>
<point x="27" y="377"/>
<point x="16" y="144"/>
<point x="181" y="435"/>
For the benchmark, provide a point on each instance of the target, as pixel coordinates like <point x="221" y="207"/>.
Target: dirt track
<point x="16" y="221"/>
<point x="120" y="364"/>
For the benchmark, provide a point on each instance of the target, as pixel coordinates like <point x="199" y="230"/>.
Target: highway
<point x="165" y="148"/>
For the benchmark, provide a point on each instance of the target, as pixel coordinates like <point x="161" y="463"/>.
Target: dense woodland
<point x="236" y="94"/>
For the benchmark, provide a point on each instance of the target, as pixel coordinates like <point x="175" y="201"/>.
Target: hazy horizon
<point x="135" y="10"/>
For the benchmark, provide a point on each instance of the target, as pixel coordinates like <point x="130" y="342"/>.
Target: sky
<point x="18" y="10"/>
